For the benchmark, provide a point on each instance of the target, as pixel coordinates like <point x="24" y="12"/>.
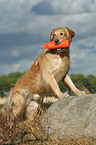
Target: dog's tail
<point x="4" y="111"/>
<point x="2" y="114"/>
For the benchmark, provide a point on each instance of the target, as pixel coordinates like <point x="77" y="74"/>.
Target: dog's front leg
<point x="51" y="82"/>
<point x="68" y="81"/>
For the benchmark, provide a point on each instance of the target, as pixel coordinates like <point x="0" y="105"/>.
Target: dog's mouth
<point x="59" y="49"/>
<point x="62" y="49"/>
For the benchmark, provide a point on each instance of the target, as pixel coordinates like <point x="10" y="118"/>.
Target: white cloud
<point x="74" y="7"/>
<point x="15" y="53"/>
<point x="10" y="68"/>
<point x="20" y="66"/>
<point x="14" y="15"/>
<point x="83" y="60"/>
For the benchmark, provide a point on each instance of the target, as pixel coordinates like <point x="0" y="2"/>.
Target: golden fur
<point x="44" y="76"/>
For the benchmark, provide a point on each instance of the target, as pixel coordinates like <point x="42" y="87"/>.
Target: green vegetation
<point x="7" y="82"/>
<point x="81" y="81"/>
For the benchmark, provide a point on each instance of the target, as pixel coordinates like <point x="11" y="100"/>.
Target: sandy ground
<point x="3" y="100"/>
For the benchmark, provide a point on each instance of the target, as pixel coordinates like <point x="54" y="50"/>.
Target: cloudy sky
<point x="25" y="25"/>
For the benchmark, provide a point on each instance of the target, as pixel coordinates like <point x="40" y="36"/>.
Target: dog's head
<point x="59" y="34"/>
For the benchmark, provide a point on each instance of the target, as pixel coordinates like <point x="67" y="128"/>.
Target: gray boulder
<point x="74" y="115"/>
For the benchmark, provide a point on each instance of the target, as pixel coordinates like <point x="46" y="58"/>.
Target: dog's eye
<point x="61" y="33"/>
<point x="54" y="34"/>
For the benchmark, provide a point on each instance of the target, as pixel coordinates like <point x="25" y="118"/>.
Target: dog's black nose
<point x="56" y="40"/>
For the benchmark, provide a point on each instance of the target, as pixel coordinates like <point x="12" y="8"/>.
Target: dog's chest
<point x="61" y="68"/>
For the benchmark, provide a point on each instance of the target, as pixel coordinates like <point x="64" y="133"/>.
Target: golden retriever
<point x="44" y="76"/>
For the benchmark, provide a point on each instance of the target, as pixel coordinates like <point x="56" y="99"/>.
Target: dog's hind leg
<point x="16" y="104"/>
<point x="32" y="104"/>
<point x="31" y="109"/>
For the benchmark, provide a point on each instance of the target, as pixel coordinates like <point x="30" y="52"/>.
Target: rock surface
<point x="74" y="115"/>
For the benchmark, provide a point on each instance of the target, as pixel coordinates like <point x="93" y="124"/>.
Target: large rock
<point x="74" y="115"/>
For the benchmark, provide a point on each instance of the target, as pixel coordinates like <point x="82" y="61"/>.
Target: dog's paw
<point x="63" y="95"/>
<point x="81" y="93"/>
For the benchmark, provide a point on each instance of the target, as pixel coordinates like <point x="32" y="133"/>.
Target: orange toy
<point x="51" y="45"/>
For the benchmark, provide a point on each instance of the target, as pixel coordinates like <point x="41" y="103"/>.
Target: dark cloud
<point x="19" y="39"/>
<point x="25" y="53"/>
<point x="20" y="42"/>
<point x="43" y="8"/>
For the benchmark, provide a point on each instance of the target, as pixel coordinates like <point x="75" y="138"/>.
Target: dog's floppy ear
<point x="51" y="36"/>
<point x="70" y="34"/>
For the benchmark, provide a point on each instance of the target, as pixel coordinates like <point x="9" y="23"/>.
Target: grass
<point x="32" y="132"/>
